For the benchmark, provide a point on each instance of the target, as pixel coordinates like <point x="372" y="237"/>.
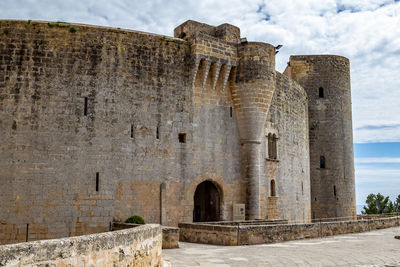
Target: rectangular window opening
<point x="131" y="130"/>
<point x="334" y="190"/>
<point x="322" y="162"/>
<point x="158" y="132"/>
<point x="85" y="107"/>
<point x="97" y="181"/>
<point x="182" y="138"/>
<point x="231" y="112"/>
<point x="321" y="92"/>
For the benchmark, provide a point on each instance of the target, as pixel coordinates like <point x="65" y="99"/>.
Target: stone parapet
<point x="272" y="233"/>
<point x="139" y="246"/>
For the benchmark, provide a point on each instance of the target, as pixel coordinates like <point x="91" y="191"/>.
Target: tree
<point x="397" y="204"/>
<point x="378" y="204"/>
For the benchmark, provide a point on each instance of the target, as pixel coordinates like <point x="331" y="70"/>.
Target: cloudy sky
<point x="365" y="31"/>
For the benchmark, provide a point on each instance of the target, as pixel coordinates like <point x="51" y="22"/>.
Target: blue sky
<point x="365" y="31"/>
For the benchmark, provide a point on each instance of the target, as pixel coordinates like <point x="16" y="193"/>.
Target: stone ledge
<point x="139" y="246"/>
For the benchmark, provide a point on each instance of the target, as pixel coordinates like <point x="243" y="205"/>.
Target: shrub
<point x="72" y="29"/>
<point x="135" y="219"/>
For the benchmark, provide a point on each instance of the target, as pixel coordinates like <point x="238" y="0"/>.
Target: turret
<point x="326" y="80"/>
<point x="252" y="94"/>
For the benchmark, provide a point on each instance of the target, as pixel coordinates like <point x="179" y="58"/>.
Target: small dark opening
<point x="27" y="233"/>
<point x="302" y="191"/>
<point x="322" y="162"/>
<point x="97" y="181"/>
<point x="334" y="190"/>
<point x="273" y="192"/>
<point x="85" y="107"/>
<point x="131" y="130"/>
<point x="182" y="35"/>
<point x="158" y="132"/>
<point x="321" y="92"/>
<point x="182" y="138"/>
<point x="231" y="111"/>
<point x="315" y="199"/>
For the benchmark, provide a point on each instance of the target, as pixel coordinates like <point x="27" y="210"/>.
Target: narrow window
<point x="231" y="111"/>
<point x="131" y="130"/>
<point x="97" y="181"/>
<point x="270" y="146"/>
<point x="302" y="191"/>
<point x="315" y="199"/>
<point x="322" y="162"/>
<point x="182" y="138"/>
<point x="85" y="107"/>
<point x="158" y="133"/>
<point x="273" y="192"/>
<point x="321" y="92"/>
<point x="274" y="152"/>
<point x="334" y="190"/>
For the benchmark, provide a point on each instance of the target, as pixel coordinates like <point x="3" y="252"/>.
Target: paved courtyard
<point x="376" y="248"/>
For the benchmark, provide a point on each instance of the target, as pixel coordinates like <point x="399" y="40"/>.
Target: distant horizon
<point x="377" y="169"/>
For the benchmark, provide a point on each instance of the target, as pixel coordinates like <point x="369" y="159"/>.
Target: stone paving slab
<point x="376" y="248"/>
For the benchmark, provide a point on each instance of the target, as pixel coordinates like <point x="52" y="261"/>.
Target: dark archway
<point x="206" y="203"/>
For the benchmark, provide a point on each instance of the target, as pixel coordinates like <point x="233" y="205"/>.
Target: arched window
<point x="321" y="92"/>
<point x="322" y="162"/>
<point x="273" y="192"/>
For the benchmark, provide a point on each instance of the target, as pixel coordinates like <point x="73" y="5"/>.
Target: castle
<point x="98" y="124"/>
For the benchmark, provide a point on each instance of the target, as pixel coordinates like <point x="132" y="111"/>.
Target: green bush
<point x="135" y="219"/>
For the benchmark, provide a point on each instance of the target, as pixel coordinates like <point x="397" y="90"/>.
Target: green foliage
<point x="6" y="31"/>
<point x="29" y="21"/>
<point x="379" y="204"/>
<point x="135" y="219"/>
<point x="72" y="29"/>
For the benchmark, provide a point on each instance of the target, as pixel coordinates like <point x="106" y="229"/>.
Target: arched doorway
<point x="206" y="203"/>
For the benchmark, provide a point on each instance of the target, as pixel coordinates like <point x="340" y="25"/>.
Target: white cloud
<point x="372" y="160"/>
<point x="365" y="31"/>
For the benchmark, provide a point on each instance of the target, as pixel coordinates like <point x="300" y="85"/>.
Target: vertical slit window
<point x="321" y="92"/>
<point x="322" y="162"/>
<point x="97" y="181"/>
<point x="273" y="192"/>
<point x="334" y="190"/>
<point x="158" y="133"/>
<point x="85" y="107"/>
<point x="270" y="146"/>
<point x="231" y="111"/>
<point x="131" y="130"/>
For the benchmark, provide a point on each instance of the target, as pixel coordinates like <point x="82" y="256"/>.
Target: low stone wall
<point x="208" y="234"/>
<point x="248" y="222"/>
<point x="170" y="237"/>
<point x="261" y="234"/>
<point x="139" y="246"/>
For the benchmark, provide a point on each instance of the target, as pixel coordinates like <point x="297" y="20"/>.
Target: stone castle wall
<point x="288" y="119"/>
<point x="90" y="120"/>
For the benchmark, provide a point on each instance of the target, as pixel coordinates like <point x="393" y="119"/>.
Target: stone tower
<point x="326" y="79"/>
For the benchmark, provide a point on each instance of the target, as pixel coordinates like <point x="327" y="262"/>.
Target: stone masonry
<point x="98" y="124"/>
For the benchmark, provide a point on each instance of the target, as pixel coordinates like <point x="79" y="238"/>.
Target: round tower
<point x="326" y="79"/>
<point x="252" y="94"/>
